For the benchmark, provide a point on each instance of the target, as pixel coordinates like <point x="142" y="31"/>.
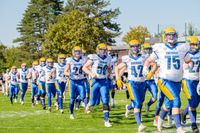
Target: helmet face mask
<point x="102" y="52"/>
<point x="193" y="41"/>
<point x="134" y="49"/>
<point x="62" y="60"/>
<point x="171" y="38"/>
<point x="147" y="50"/>
<point x="42" y="63"/>
<point x="194" y="47"/>
<point x="50" y="63"/>
<point x="24" y="67"/>
<point x="14" y="70"/>
<point x="77" y="53"/>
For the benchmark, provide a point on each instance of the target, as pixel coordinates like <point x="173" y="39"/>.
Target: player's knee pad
<point x="106" y="107"/>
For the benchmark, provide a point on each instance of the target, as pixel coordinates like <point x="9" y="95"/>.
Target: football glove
<point x="149" y="75"/>
<point x="119" y="83"/>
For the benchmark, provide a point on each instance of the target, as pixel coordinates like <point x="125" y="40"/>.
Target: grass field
<point x="19" y="118"/>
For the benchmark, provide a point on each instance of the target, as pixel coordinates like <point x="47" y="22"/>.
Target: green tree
<point x="72" y="29"/>
<point x="2" y="58"/>
<point x="102" y="16"/>
<point x="85" y="23"/>
<point x="15" y="56"/>
<point x="38" y="17"/>
<point x="139" y="33"/>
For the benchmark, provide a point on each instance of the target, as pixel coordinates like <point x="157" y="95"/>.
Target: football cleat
<point x="62" y="111"/>
<point x="127" y="111"/>
<point x="43" y="107"/>
<point x="180" y="130"/>
<point x="107" y="124"/>
<point x="57" y="107"/>
<point x="15" y="100"/>
<point x="183" y="118"/>
<point x="87" y="111"/>
<point x="159" y="125"/>
<point x="22" y="102"/>
<point x="56" y="104"/>
<point x="195" y="128"/>
<point x="141" y="128"/>
<point x="71" y="116"/>
<point x="49" y="108"/>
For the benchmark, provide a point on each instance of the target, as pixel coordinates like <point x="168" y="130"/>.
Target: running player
<point x="98" y="68"/>
<point x="13" y="78"/>
<point x="171" y="56"/>
<point x="23" y="72"/>
<point x="76" y="76"/>
<point x="136" y="87"/>
<point x="190" y="81"/>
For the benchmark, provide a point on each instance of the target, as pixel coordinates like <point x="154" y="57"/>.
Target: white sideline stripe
<point x="7" y="114"/>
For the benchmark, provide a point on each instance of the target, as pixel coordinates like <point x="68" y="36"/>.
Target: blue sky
<point x="149" y="13"/>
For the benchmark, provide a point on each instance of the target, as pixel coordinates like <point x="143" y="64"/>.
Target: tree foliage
<point x="103" y="17"/>
<point x="139" y="33"/>
<point x="71" y="29"/>
<point x="15" y="56"/>
<point x="85" y="23"/>
<point x="2" y="58"/>
<point x="38" y="17"/>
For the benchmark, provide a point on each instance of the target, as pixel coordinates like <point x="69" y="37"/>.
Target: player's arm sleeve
<point x="91" y="57"/>
<point x="187" y="57"/>
<point x="154" y="54"/>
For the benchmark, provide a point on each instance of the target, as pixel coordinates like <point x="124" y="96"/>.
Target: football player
<point x="98" y="68"/>
<point x="150" y="84"/>
<point x="111" y="79"/>
<point x="33" y="75"/>
<point x="50" y="81"/>
<point x="76" y="76"/>
<point x="41" y="80"/>
<point x="23" y="72"/>
<point x="171" y="56"/>
<point x="190" y="81"/>
<point x="60" y="79"/>
<point x="136" y="80"/>
<point x="13" y="78"/>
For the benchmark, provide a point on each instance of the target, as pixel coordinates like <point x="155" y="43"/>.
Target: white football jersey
<point x="60" y="72"/>
<point x="192" y="73"/>
<point x="47" y="71"/>
<point x="22" y="75"/>
<point x="14" y="80"/>
<point x="134" y="67"/>
<point x="113" y="63"/>
<point x="171" y="60"/>
<point x="40" y="70"/>
<point x="100" y="65"/>
<point x="34" y="76"/>
<point x="76" y="72"/>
